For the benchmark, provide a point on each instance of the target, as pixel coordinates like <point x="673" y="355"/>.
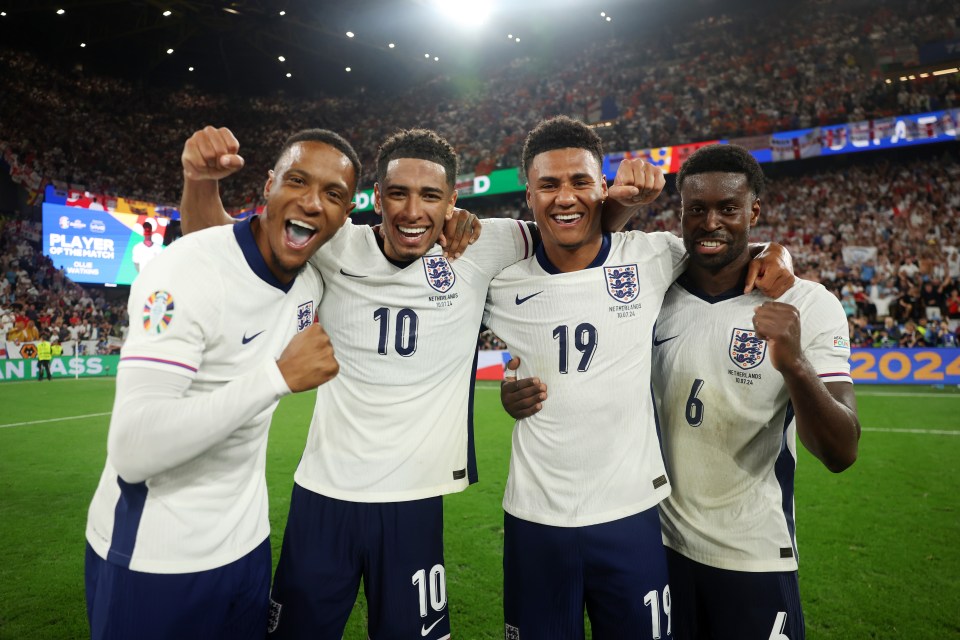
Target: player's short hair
<point x="325" y="136"/>
<point x="560" y="132"/>
<point x="723" y="158"/>
<point x="147" y="225"/>
<point x="420" y="144"/>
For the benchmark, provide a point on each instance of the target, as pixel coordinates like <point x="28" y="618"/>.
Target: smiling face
<point x="413" y="199"/>
<point x="308" y="198"/>
<point x="565" y="191"/>
<point x="717" y="211"/>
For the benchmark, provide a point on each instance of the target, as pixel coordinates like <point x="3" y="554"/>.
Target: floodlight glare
<point x="467" y="13"/>
<point x="83" y="45"/>
<point x="167" y="13"/>
<point x="436" y="59"/>
<point x="348" y="69"/>
<point x="289" y="75"/>
<point x="350" y="34"/>
<point x="169" y="51"/>
<point x="189" y="68"/>
<point x="391" y="45"/>
<point x="608" y="18"/>
<point x="60" y="12"/>
<point x="283" y="13"/>
<point x="281" y="59"/>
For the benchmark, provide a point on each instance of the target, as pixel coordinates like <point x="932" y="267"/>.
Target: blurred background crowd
<point x="880" y="232"/>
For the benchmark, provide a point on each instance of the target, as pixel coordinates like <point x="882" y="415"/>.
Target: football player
<point x="221" y="327"/>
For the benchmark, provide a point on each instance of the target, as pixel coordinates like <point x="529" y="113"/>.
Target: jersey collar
<point x="251" y="253"/>
<point x="549" y="267"/>
<point x="687" y="283"/>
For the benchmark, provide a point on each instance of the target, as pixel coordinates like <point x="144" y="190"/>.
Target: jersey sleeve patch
<point x="158" y="312"/>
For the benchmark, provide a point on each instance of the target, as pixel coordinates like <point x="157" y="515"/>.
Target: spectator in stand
<point x="932" y="300"/>
<point x="911" y="335"/>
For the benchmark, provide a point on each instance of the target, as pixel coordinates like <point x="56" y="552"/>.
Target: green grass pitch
<point x="879" y="544"/>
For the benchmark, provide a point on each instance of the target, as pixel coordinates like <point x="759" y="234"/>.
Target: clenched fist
<point x="211" y="154"/>
<point x="308" y="361"/>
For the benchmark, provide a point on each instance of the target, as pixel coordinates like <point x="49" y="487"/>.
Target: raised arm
<point x="826" y="414"/>
<point x="209" y="155"/>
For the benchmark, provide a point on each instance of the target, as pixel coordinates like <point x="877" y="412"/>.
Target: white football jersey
<point x="210" y="309"/>
<point x="396" y="423"/>
<point x="591" y="454"/>
<point x="729" y="433"/>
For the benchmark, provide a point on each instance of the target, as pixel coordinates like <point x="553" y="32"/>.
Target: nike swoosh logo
<point x="425" y="630"/>
<point x="657" y="342"/>
<point x="522" y="300"/>
<point x="250" y="339"/>
<point x="350" y="275"/>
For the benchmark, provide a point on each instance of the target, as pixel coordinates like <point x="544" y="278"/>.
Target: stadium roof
<point x="237" y="45"/>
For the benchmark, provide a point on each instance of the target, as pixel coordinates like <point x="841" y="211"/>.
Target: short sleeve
<point x="502" y="242"/>
<point x="826" y="336"/>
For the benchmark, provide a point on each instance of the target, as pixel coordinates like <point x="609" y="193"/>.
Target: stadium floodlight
<point x="466" y="13"/>
<point x="60" y="12"/>
<point x="283" y="13"/>
<point x="189" y="68"/>
<point x="348" y="69"/>
<point x="350" y="34"/>
<point x="83" y="45"/>
<point x="391" y="45"/>
<point x="608" y="18"/>
<point x="436" y="59"/>
<point x="169" y="51"/>
<point x="289" y="75"/>
<point x="167" y="13"/>
<point x="281" y="59"/>
<point x="3" y="14"/>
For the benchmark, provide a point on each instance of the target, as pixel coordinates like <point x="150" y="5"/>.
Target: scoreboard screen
<point x="100" y="247"/>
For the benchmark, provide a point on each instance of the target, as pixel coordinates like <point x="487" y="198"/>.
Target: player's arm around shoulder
<point x="770" y="270"/>
<point x="501" y="243"/>
<point x="816" y="376"/>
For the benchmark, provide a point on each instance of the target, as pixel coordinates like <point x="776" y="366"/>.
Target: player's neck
<point x="715" y="282"/>
<point x="567" y="259"/>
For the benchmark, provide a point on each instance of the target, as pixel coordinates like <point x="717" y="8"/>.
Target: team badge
<point x="440" y="274"/>
<point x="622" y="283"/>
<point x="746" y="349"/>
<point x="158" y="312"/>
<point x="305" y="315"/>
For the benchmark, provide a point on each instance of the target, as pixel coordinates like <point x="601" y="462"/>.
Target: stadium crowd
<point x="882" y="236"/>
<point x="39" y="301"/>
<point x="812" y="63"/>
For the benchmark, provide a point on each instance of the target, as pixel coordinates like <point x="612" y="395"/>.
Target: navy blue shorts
<point x="617" y="571"/>
<point x="328" y="545"/>
<point x="229" y="602"/>
<point x="720" y="604"/>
